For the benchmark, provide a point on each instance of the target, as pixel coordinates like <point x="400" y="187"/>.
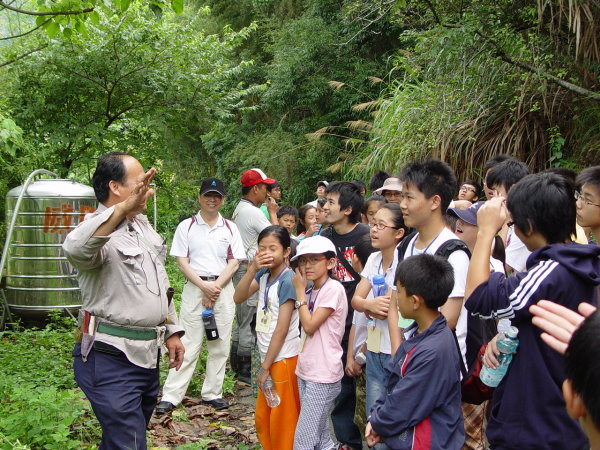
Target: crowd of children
<point x="412" y="288"/>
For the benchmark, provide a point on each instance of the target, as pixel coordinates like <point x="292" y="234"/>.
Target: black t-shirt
<point x="344" y="244"/>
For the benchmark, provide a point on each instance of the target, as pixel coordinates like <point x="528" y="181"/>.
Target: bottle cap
<point x="207" y="312"/>
<point x="512" y="332"/>
<point x="379" y="279"/>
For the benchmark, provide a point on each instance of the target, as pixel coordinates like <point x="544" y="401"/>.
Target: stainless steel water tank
<point x="39" y="278"/>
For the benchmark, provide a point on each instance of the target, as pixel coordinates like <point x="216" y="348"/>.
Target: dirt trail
<point x="196" y="422"/>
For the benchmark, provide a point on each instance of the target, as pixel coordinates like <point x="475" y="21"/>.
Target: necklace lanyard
<point x="412" y="249"/>
<point x="268" y="286"/>
<point x="311" y="305"/>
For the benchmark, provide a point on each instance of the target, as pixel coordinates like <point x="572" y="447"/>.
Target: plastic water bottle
<point x="210" y="325"/>
<point x="378" y="286"/>
<point x="507" y="345"/>
<point x="270" y="393"/>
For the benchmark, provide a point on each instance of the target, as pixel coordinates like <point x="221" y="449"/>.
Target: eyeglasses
<point x="313" y="260"/>
<point x="380" y="226"/>
<point x="392" y="194"/>
<point x="585" y="201"/>
<point x="467" y="188"/>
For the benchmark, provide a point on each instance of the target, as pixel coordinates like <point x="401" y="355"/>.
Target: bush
<point x="39" y="403"/>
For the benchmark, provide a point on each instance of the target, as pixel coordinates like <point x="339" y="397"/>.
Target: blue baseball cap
<point x="468" y="215"/>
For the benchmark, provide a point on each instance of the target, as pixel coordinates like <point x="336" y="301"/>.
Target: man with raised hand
<point x="127" y="313"/>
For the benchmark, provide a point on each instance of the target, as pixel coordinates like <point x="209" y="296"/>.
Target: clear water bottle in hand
<point x="270" y="393"/>
<point x="507" y="344"/>
<point x="379" y="286"/>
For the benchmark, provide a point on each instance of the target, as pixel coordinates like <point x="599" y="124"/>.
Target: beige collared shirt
<point x="123" y="281"/>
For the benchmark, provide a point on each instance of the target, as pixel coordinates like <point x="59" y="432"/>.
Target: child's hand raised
<point x="261" y="260"/>
<point x="492" y="215"/>
<point x="299" y="280"/>
<point x="313" y="229"/>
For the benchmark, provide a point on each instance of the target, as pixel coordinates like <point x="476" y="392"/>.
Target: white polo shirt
<point x="206" y="246"/>
<point x="250" y="220"/>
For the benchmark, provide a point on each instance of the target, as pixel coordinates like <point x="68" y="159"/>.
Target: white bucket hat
<point x="314" y="245"/>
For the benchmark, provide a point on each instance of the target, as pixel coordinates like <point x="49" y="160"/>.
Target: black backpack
<point x="479" y="331"/>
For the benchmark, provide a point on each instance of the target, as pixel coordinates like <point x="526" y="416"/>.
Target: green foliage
<point x="39" y="404"/>
<point x="461" y="91"/>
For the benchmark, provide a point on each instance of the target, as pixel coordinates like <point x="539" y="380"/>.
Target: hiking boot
<point x="244" y="366"/>
<point x="217" y="403"/>
<point x="164" y="408"/>
<point x="233" y="360"/>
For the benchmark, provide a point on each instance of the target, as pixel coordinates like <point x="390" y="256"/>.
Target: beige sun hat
<point x="390" y="184"/>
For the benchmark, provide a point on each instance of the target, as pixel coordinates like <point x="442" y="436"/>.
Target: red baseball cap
<point x="252" y="177"/>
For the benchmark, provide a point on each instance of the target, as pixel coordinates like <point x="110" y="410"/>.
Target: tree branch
<point x="529" y="68"/>
<point x="44" y="13"/>
<point x="27" y="32"/>
<point x="10" y="61"/>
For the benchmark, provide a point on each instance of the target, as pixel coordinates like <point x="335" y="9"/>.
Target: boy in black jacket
<point x="528" y="410"/>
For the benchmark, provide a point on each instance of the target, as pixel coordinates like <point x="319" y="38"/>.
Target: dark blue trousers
<point x="342" y="415"/>
<point x="123" y="396"/>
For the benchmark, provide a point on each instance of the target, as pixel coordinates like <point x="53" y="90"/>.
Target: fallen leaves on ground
<point x="194" y="422"/>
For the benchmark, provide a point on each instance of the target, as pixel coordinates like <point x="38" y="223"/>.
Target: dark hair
<point x="450" y="221"/>
<point x="378" y="179"/>
<point x="321" y="202"/>
<point x="349" y="197"/>
<point x="287" y="210"/>
<point x="282" y="235"/>
<point x="293" y="247"/>
<point x="432" y="177"/>
<point x="546" y="202"/>
<point x="493" y="162"/>
<point x="363" y="248"/>
<point x="569" y="174"/>
<point x="428" y="276"/>
<point x="371" y="199"/>
<point x="301" y="215"/>
<point x="361" y="185"/>
<point x="246" y="189"/>
<point x="477" y="186"/>
<point x="397" y="213"/>
<point x="499" y="250"/>
<point x="507" y="174"/>
<point x="582" y="365"/>
<point x="109" y="168"/>
<point x="270" y="187"/>
<point x="591" y="175"/>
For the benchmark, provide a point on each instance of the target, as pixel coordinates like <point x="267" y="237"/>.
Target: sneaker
<point x="164" y="408"/>
<point x="217" y="403"/>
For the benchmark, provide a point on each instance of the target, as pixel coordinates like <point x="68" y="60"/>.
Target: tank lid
<point x="54" y="187"/>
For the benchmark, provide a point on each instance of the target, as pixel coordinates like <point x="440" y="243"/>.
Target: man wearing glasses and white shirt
<point x="208" y="250"/>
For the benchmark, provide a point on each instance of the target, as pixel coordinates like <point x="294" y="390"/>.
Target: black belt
<point x="211" y="278"/>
